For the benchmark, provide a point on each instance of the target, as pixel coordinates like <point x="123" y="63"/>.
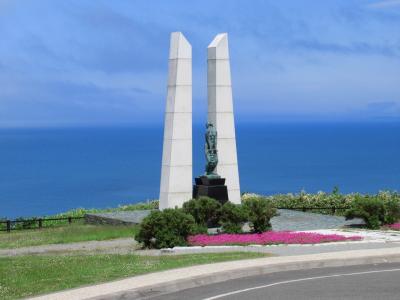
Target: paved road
<point x="367" y="282"/>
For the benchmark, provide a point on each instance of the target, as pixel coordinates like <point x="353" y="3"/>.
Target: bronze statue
<point x="211" y="151"/>
<point x="211" y="184"/>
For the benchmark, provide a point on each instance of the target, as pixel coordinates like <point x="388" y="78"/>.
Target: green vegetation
<point x="259" y="211"/>
<point x="166" y="229"/>
<point x="26" y="276"/>
<point x="322" y="200"/>
<point x="64" y="234"/>
<point x="375" y="210"/>
<point x="319" y="201"/>
<point x="370" y="209"/>
<point x="232" y="217"/>
<point x="172" y="227"/>
<point x="204" y="210"/>
<point x="78" y="212"/>
<point x="392" y="210"/>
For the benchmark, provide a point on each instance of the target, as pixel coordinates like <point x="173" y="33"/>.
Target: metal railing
<point x="332" y="208"/>
<point x="10" y="224"/>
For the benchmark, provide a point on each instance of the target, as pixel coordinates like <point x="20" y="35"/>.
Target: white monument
<point x="176" y="171"/>
<point x="220" y="113"/>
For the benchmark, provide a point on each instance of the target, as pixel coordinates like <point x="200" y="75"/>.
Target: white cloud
<point x="384" y="4"/>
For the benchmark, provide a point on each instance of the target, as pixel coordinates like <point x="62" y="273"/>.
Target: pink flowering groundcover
<point x="395" y="226"/>
<point x="268" y="238"/>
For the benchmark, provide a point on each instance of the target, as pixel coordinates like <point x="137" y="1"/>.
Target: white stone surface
<point x="174" y="199"/>
<point x="178" y="176"/>
<point x="218" y="48"/>
<point x="225" y="145"/>
<point x="222" y="92"/>
<point x="181" y="153"/>
<point x="177" y="99"/>
<point x="224" y="122"/>
<point x="176" y="125"/>
<point x="220" y="112"/>
<point x="176" y="170"/>
<point x="180" y="72"/>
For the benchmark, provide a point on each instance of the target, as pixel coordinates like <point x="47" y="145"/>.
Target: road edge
<point x="139" y="287"/>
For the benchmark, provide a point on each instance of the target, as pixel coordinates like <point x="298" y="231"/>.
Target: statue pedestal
<point x="211" y="187"/>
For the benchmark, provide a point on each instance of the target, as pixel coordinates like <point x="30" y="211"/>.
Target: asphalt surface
<point x="367" y="282"/>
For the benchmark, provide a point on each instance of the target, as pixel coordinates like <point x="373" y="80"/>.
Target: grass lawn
<point x="64" y="234"/>
<point x="25" y="276"/>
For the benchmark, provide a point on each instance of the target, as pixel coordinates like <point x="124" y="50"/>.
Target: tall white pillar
<point x="220" y="113"/>
<point x="176" y="170"/>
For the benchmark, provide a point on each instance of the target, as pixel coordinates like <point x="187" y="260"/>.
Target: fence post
<point x="69" y="220"/>
<point x="8" y="226"/>
<point x="40" y="223"/>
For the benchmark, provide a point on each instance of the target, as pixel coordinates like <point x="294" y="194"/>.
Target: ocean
<point x="46" y="171"/>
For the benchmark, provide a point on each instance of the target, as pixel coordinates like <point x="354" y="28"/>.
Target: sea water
<point x="46" y="171"/>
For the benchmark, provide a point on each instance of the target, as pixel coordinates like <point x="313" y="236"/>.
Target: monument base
<point x="211" y="187"/>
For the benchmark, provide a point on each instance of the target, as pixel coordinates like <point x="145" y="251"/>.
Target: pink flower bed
<point x="395" y="226"/>
<point x="267" y="238"/>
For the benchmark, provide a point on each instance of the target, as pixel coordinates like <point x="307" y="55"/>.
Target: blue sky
<point x="71" y="63"/>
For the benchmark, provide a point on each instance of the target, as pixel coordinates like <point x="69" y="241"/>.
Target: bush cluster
<point x="171" y="227"/>
<point x="320" y="201"/>
<point x="204" y="210"/>
<point x="166" y="229"/>
<point x="376" y="210"/>
<point x="335" y="200"/>
<point x="259" y="213"/>
<point x="232" y="217"/>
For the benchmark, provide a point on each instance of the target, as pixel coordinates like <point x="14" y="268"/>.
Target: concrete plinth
<point x="220" y="113"/>
<point x="176" y="171"/>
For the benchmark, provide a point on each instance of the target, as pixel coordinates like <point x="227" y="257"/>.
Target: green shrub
<point x="392" y="206"/>
<point x="319" y="201"/>
<point x="166" y="229"/>
<point x="369" y="208"/>
<point x="204" y="210"/>
<point x="3" y="226"/>
<point x="259" y="211"/>
<point x="199" y="229"/>
<point x="232" y="217"/>
<point x="26" y="223"/>
<point x="80" y="212"/>
<point x="392" y="211"/>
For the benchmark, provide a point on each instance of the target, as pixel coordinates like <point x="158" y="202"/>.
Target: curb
<point x="179" y="279"/>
